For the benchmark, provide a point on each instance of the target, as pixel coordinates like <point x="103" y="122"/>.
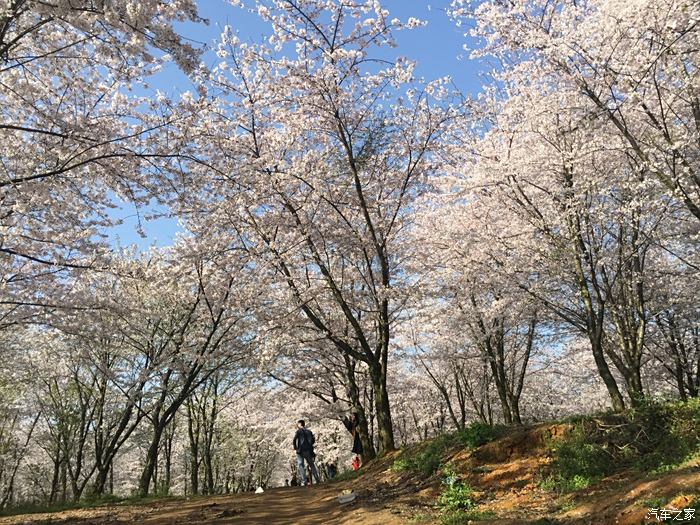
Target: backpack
<point x="306" y="440"/>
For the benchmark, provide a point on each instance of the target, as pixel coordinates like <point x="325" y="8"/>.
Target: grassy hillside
<point x="610" y="468"/>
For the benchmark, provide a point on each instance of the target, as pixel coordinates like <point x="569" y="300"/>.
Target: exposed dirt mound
<point x="506" y="475"/>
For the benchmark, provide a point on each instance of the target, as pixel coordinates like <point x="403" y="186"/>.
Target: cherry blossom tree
<point x="316" y="160"/>
<point x="629" y="67"/>
<point x="75" y="137"/>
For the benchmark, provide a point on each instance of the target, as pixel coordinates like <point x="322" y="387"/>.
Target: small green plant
<point x="576" y="457"/>
<point x="654" y="502"/>
<point x="456" y="496"/>
<point x="453" y="518"/>
<point x="563" y="485"/>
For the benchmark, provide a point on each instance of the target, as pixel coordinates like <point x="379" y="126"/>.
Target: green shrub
<point x="576" y="456"/>
<point x="430" y="457"/>
<point x="557" y="483"/>
<point x="578" y="463"/>
<point x="478" y="434"/>
<point x="664" y="434"/>
<point x="655" y="436"/>
<point x="401" y="464"/>
<point x="456" y="496"/>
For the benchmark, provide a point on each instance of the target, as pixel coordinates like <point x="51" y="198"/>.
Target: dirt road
<point x="304" y="506"/>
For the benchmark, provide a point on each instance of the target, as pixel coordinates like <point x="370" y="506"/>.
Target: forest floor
<point x="505" y="482"/>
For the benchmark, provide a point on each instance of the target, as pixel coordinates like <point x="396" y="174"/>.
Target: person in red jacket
<point x="352" y="424"/>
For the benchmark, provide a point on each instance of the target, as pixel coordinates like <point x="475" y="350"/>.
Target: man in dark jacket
<point x="304" y="446"/>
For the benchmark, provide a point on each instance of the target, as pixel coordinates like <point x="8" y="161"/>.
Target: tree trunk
<point x="54" y="481"/>
<point x="151" y="461"/>
<point x="353" y="393"/>
<point x="382" y="409"/>
<point x="618" y="402"/>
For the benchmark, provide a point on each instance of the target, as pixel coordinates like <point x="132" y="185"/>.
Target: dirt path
<point x="308" y="506"/>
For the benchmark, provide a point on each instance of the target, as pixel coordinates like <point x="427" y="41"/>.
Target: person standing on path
<point x="352" y="424"/>
<point x="304" y="446"/>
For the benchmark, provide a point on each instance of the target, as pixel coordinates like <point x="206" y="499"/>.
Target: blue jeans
<point x="301" y="468"/>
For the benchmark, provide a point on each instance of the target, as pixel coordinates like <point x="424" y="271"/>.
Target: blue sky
<point x="436" y="48"/>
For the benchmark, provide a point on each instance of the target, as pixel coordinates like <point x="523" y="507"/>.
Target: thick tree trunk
<point x="385" y="441"/>
<point x="353" y="393"/>
<point x="151" y="461"/>
<point x="101" y="480"/>
<point x="618" y="402"/>
<point x="498" y="372"/>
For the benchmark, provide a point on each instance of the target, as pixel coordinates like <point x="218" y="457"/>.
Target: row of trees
<point x="352" y="237"/>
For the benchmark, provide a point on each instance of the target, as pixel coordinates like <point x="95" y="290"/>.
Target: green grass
<point x="347" y="475"/>
<point x="428" y="459"/>
<point x="461" y="517"/>
<point x="654" y="437"/>
<point x="654" y="503"/>
<point x="419" y="517"/>
<point x="456" y="502"/>
<point x="577" y="464"/>
<point x="664" y="435"/>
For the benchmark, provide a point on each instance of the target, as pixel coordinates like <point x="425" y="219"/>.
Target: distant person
<point x="286" y="482"/>
<point x="352" y="423"/>
<point x="332" y="470"/>
<point x="304" y="446"/>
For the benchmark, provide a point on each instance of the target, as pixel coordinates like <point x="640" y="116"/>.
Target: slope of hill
<point x="611" y="469"/>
